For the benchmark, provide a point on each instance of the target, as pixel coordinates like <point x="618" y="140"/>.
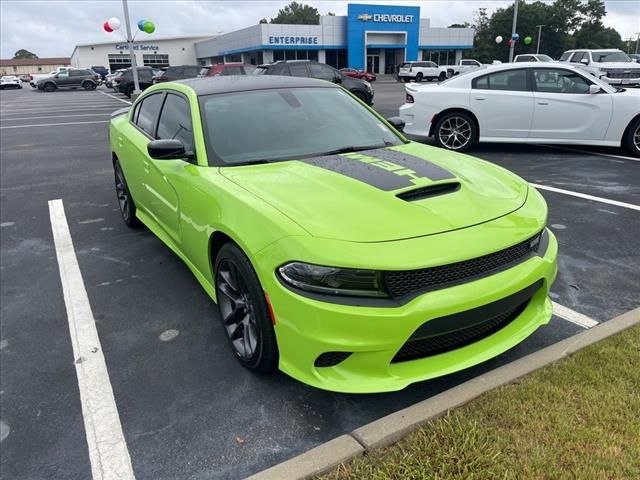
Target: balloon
<point x="498" y="39"/>
<point x="141" y="25"/>
<point x="114" y="23"/>
<point x="510" y="42"/>
<point x="527" y="40"/>
<point x="515" y="37"/>
<point x="106" y="27"/>
<point x="148" y="27"/>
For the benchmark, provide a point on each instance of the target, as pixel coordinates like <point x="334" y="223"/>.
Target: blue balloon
<point x="141" y="25"/>
<point x="515" y="37"/>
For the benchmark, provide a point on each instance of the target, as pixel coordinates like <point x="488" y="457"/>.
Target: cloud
<point x="52" y="28"/>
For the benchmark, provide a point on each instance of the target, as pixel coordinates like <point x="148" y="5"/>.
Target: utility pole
<point x="539" y="38"/>
<point x="513" y="30"/>
<point x="637" y="41"/>
<point x="132" y="55"/>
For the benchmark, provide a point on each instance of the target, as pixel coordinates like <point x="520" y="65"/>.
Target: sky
<point x="51" y="28"/>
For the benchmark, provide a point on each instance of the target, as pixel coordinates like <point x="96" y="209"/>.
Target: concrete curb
<point x="387" y="430"/>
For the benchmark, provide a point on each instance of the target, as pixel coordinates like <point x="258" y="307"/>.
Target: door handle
<point x="480" y="99"/>
<point x="543" y="103"/>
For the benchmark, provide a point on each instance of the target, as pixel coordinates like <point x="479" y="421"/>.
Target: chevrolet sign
<point x="385" y="18"/>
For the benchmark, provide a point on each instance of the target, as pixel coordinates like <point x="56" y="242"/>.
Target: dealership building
<point x="371" y="37"/>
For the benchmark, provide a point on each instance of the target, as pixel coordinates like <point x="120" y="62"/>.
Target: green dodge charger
<point x="335" y="249"/>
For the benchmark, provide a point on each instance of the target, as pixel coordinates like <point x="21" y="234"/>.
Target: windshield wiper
<point x="355" y="148"/>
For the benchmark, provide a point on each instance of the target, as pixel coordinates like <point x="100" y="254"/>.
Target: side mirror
<point x="584" y="61"/>
<point x="593" y="89"/>
<point x="397" y="122"/>
<point x="166" y="149"/>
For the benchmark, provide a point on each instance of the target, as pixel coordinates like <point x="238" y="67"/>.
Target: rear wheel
<point x="455" y="131"/>
<point x="125" y="202"/>
<point x="49" y="87"/>
<point x="129" y="91"/>
<point x="419" y="77"/>
<point x="244" y="311"/>
<point x="631" y="140"/>
<point x="89" y="86"/>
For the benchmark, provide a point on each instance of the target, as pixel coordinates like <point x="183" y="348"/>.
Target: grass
<point x="576" y="419"/>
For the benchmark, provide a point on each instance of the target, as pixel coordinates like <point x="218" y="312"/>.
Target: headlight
<point x="333" y="280"/>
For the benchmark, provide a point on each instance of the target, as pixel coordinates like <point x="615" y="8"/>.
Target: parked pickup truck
<point x="463" y="66"/>
<point x="40" y="76"/>
<point x="613" y="66"/>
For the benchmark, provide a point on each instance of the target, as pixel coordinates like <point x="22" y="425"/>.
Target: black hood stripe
<point x="383" y="169"/>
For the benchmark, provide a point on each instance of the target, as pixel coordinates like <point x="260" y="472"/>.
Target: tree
<point x="297" y="14"/>
<point x="460" y="25"/>
<point x="263" y="20"/>
<point x="23" y="54"/>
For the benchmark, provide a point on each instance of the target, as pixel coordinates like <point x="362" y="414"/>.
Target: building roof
<point x="242" y="83"/>
<point x="145" y="40"/>
<point x="22" y="62"/>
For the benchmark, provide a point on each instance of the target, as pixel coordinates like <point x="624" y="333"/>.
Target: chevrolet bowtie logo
<point x="364" y="17"/>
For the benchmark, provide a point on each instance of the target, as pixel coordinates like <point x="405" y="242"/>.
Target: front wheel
<point x="125" y="202"/>
<point x="89" y="86"/>
<point x="49" y="87"/>
<point x="419" y="77"/>
<point x="244" y="311"/>
<point x="455" y="131"/>
<point x="442" y="77"/>
<point x="631" y="140"/>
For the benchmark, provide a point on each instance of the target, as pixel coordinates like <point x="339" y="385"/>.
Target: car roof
<point x="594" y="50"/>
<point x="240" y="83"/>
<point x="509" y="66"/>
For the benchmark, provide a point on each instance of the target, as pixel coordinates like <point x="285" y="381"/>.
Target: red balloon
<point x="106" y="27"/>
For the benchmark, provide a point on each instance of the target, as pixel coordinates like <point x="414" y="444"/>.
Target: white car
<point x="10" y="81"/>
<point x="533" y="57"/>
<point x="612" y="66"/>
<point x="419" y="71"/>
<point x="524" y="103"/>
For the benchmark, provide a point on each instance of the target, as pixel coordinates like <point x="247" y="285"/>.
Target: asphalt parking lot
<point x="188" y="409"/>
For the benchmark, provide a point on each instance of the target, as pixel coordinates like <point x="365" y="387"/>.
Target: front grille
<point x="456" y="331"/>
<point x="330" y="359"/>
<point x="623" y="74"/>
<point x="405" y="282"/>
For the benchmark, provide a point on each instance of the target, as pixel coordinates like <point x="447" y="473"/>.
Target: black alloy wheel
<point x="631" y="140"/>
<point x="244" y="311"/>
<point x="125" y="202"/>
<point x="49" y="87"/>
<point x="89" y="86"/>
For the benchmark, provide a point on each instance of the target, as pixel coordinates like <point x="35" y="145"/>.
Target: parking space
<point x="186" y="406"/>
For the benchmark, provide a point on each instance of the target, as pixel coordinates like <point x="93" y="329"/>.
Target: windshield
<point x="281" y="124"/>
<point x="545" y="58"/>
<point x="610" y="57"/>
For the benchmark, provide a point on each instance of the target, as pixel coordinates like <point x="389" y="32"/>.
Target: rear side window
<point x="148" y="113"/>
<point x="511" y="80"/>
<point x="565" y="56"/>
<point x="323" y="72"/>
<point x="298" y="70"/>
<point x="524" y="58"/>
<point x="175" y="121"/>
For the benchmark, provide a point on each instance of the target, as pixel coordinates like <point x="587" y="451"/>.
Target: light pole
<point x="513" y="30"/>
<point x="132" y="55"/>
<point x="539" y="38"/>
<point x="637" y="42"/>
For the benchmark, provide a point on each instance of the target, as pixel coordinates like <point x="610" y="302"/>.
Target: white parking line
<point x="108" y="451"/>
<point x="572" y="316"/>
<point x="56" y="116"/>
<point x="587" y="197"/>
<point x="54" y="124"/>
<point x="113" y="96"/>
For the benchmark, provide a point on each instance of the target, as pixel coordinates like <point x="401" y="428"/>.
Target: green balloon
<point x="528" y="40"/>
<point x="149" y="27"/>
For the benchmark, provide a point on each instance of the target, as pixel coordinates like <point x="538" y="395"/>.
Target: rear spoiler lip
<point x="120" y="111"/>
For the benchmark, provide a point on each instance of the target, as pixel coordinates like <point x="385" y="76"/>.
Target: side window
<point x="148" y="113"/>
<point x="511" y="80"/>
<point x="559" y="81"/>
<point x="323" y="72"/>
<point x="524" y="58"/>
<point x="577" y="57"/>
<point x="76" y="73"/>
<point x="144" y="75"/>
<point x="564" y="57"/>
<point x="63" y="74"/>
<point x="175" y="121"/>
<point x="298" y="70"/>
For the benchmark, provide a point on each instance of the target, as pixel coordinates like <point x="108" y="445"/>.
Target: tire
<point x="455" y="131"/>
<point x="49" y="87"/>
<point x="419" y="77"/>
<point x="442" y="77"/>
<point x="244" y="312"/>
<point x="361" y="96"/>
<point x="129" y="91"/>
<point x="125" y="200"/>
<point x="631" y="140"/>
<point x="89" y="85"/>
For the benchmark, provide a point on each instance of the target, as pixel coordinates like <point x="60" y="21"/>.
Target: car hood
<point x="354" y="197"/>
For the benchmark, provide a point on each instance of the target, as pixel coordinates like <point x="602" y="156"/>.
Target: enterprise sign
<point x="286" y="40"/>
<point x="385" y="18"/>
<point x="125" y="46"/>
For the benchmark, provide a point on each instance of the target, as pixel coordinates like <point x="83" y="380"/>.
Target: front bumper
<point x="306" y="328"/>
<point x="621" y="81"/>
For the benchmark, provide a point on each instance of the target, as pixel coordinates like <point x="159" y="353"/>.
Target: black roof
<point x="240" y="83"/>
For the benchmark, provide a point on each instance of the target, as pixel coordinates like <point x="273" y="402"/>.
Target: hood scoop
<point x="429" y="191"/>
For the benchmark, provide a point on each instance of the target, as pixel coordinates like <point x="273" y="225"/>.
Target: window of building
<point x="237" y="58"/>
<point x="441" y="57"/>
<point x="117" y="61"/>
<point x="155" y="61"/>
<point x="336" y="58"/>
<point x="302" y="54"/>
